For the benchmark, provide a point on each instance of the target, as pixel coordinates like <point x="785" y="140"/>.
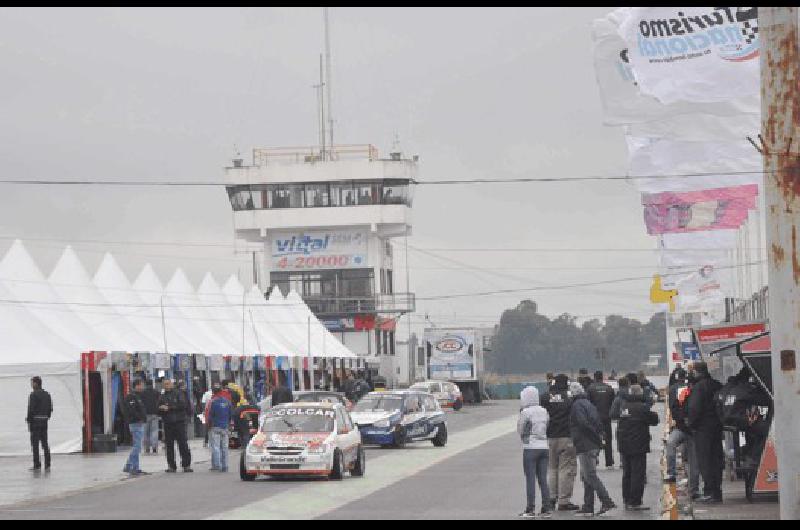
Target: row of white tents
<point x="47" y="322"/>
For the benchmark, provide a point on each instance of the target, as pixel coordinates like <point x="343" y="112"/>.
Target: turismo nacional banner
<point x="697" y="54"/>
<point x="624" y="103"/>
<point x="696" y="211"/>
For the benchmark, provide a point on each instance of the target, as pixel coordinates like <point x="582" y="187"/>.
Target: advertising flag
<point x="695" y="211"/>
<point x="624" y="103"/>
<point x="694" y="54"/>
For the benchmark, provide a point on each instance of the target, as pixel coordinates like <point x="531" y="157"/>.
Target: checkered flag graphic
<point x="750" y="31"/>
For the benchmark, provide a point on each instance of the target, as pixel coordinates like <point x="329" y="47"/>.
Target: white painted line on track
<point x="320" y="497"/>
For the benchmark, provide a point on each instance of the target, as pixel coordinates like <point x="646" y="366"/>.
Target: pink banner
<point x="695" y="211"/>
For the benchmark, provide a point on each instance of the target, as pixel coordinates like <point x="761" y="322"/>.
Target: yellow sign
<point x="659" y="296"/>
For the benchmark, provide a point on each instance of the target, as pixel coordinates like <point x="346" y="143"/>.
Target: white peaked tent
<point x="28" y="285"/>
<point x="235" y="299"/>
<point x="72" y="283"/>
<point x="179" y="291"/>
<point x="114" y="286"/>
<point x="47" y="323"/>
<point x="29" y="348"/>
<point x="179" y="335"/>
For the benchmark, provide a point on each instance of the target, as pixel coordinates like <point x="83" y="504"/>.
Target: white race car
<point x="446" y="393"/>
<point x="304" y="439"/>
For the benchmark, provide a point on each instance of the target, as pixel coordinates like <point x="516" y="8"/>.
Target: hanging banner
<point x="161" y="361"/>
<point x="216" y="363"/>
<point x="695" y="211"/>
<point x="623" y="102"/>
<point x="319" y="249"/>
<point x="690" y="166"/>
<point x="695" y="54"/>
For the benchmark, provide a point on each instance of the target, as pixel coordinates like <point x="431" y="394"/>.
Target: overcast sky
<point x="157" y="93"/>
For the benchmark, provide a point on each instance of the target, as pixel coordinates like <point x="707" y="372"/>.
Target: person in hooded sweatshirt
<point x="587" y="437"/>
<point x="633" y="442"/>
<point x="532" y="429"/>
<point x="706" y="427"/>
<point x="563" y="465"/>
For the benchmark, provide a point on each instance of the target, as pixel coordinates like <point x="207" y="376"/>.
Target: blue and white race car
<point x="400" y="416"/>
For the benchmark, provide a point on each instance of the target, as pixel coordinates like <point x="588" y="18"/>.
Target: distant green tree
<point x="527" y="342"/>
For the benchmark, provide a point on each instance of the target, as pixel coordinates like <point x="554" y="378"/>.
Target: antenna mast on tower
<point x="328" y="79"/>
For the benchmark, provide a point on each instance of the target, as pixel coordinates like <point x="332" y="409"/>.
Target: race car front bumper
<point x="302" y="464"/>
<point x="377" y="436"/>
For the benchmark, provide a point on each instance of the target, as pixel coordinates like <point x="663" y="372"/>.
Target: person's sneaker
<point x="584" y="512"/>
<point x="568" y="507"/>
<point x="188" y="470"/>
<point x="710" y="500"/>
<point x="545" y="514"/>
<point x="171" y="470"/>
<point x="35" y="468"/>
<point x="606" y="508"/>
<point x="610" y="467"/>
<point x="528" y="514"/>
<point x="638" y="508"/>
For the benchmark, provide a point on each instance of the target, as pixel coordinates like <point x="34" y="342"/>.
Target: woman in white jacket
<point x="532" y="429"/>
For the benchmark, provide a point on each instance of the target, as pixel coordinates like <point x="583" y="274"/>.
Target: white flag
<point x="694" y="54"/>
<point x="710" y="164"/>
<point x="623" y="101"/>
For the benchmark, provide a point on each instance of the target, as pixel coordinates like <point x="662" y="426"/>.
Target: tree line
<point x="526" y="341"/>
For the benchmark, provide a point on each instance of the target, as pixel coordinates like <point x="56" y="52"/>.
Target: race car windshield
<point x="298" y="420"/>
<point x="379" y="404"/>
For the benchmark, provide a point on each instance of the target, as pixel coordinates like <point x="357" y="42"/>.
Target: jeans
<point x="591" y="482"/>
<point x="562" y="468"/>
<point x="137" y="433"/>
<point x="218" y="440"/>
<point x="633" y="474"/>
<point x="608" y="448"/>
<point x="151" y="432"/>
<point x="534" y="464"/>
<point x="676" y="438"/>
<point x="38" y="430"/>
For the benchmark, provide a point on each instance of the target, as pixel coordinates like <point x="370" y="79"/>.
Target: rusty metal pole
<point x="780" y="115"/>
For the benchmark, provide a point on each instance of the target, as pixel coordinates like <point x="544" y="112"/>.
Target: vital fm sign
<point x="732" y="34"/>
<point x="340" y="249"/>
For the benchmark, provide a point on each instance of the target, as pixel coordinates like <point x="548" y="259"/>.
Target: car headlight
<point x="383" y="424"/>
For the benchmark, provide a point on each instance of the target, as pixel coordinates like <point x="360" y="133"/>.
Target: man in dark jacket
<point x="602" y="396"/>
<point x="562" y="465"/>
<point x="681" y="435"/>
<point x="150" y="399"/>
<point x="135" y="414"/>
<point x="702" y="419"/>
<point x="584" y="379"/>
<point x="587" y="436"/>
<point x="172" y="407"/>
<point x="40" y="408"/>
<point x="633" y="441"/>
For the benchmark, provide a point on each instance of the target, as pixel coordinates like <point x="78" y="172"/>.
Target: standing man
<point x="587" y="436"/>
<point x="584" y="379"/>
<point x="680" y="434"/>
<point x="562" y="465"/>
<point x="150" y="399"/>
<point x="40" y="408"/>
<point x="281" y="394"/>
<point x="135" y="414"/>
<point x="218" y="418"/>
<point x="172" y="407"/>
<point x="706" y="427"/>
<point x="602" y="396"/>
<point x="633" y="439"/>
